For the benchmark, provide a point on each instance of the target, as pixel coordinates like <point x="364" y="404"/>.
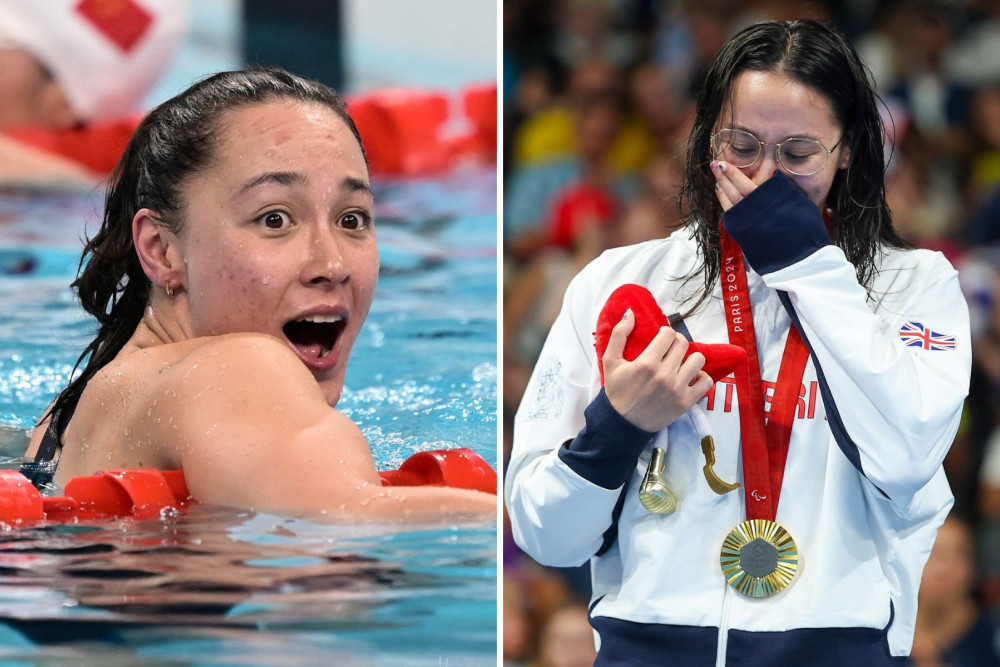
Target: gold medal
<point x="759" y="558"/>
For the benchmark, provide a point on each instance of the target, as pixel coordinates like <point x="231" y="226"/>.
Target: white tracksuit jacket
<point x="864" y="491"/>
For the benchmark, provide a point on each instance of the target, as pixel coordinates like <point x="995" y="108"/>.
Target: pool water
<point x="214" y="585"/>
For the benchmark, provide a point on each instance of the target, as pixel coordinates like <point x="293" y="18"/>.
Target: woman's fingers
<point x="663" y="343"/>
<point x="725" y="190"/>
<point x="731" y="184"/>
<point x="723" y="198"/>
<point x="659" y="385"/>
<point x="616" y="341"/>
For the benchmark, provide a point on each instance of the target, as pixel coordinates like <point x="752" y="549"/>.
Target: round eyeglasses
<point x="798" y="155"/>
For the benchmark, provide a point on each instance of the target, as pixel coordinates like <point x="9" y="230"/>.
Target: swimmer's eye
<point x="355" y="221"/>
<point x="275" y="220"/>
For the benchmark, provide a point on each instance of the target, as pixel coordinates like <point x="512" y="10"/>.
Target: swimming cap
<point x="105" y="54"/>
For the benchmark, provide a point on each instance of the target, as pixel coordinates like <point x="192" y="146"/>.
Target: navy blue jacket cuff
<point x="776" y="225"/>
<point x="606" y="450"/>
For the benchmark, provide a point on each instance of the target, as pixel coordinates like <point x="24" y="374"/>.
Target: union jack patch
<point x="915" y="334"/>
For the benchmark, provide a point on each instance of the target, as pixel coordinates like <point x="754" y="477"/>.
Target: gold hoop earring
<point x="170" y="291"/>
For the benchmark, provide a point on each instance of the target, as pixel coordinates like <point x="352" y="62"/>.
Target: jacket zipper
<point x="720" y="654"/>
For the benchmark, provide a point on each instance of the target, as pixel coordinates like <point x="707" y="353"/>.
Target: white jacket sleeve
<point x="895" y="373"/>
<point x="572" y="452"/>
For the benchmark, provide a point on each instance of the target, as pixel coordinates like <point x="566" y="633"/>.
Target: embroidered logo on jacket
<point x="548" y="396"/>
<point x="915" y="334"/>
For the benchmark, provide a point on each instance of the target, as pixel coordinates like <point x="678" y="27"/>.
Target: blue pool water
<point x="219" y="586"/>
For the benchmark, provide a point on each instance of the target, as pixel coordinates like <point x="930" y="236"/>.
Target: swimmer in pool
<point x="66" y="65"/>
<point x="234" y="267"/>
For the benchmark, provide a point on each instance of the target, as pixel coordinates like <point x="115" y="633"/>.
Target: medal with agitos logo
<point x="759" y="558"/>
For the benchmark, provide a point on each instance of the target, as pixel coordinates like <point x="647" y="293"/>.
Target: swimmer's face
<point x="279" y="235"/>
<point x="29" y="96"/>
<point x="774" y="107"/>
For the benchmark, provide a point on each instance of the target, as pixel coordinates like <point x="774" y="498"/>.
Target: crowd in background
<point x="598" y="98"/>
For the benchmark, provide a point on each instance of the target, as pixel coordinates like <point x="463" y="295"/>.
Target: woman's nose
<point x="765" y="166"/>
<point x="325" y="263"/>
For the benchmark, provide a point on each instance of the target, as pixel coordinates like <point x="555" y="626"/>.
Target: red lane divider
<point x="399" y="129"/>
<point x="402" y="130"/>
<point x="144" y="493"/>
<point x="480" y="105"/>
<point x="458" y="468"/>
<point x="97" y="147"/>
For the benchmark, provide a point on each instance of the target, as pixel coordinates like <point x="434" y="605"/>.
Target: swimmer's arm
<point x="259" y="434"/>
<point x="321" y="468"/>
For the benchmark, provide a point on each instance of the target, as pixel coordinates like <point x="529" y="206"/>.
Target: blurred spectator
<point x="660" y="117"/>
<point x="967" y="465"/>
<point x="984" y="226"/>
<point x="989" y="481"/>
<point x="688" y="36"/>
<point x="516" y="626"/>
<point x="533" y="195"/>
<point x="974" y="59"/>
<point x="534" y="94"/>
<point x="544" y="625"/>
<point x="590" y="28"/>
<point x="534" y="297"/>
<point x="951" y="630"/>
<point x="907" y="53"/>
<point x="567" y="640"/>
<point x="529" y="27"/>
<point x="985" y="128"/>
<point x="925" y="209"/>
<point x="654" y="212"/>
<point x="550" y="133"/>
<point x="983" y="186"/>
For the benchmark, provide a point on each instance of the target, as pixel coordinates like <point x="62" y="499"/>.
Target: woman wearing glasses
<point x="808" y="484"/>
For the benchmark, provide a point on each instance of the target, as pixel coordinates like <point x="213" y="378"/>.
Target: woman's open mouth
<point x="314" y="338"/>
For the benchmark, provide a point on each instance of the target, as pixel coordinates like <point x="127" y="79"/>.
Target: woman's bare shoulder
<point x="240" y="372"/>
<point x="236" y="346"/>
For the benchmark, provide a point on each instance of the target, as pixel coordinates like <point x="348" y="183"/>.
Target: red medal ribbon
<point x="764" y="447"/>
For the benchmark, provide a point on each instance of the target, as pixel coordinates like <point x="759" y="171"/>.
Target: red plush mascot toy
<point x="720" y="359"/>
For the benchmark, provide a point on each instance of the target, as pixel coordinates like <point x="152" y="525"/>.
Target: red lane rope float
<point x="399" y="128"/>
<point x="403" y="130"/>
<point x="97" y="147"/>
<point x="143" y="493"/>
<point x="458" y="468"/>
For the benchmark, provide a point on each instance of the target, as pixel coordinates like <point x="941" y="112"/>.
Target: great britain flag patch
<point x="915" y="334"/>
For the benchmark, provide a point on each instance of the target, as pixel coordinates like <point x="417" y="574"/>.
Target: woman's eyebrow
<point x="286" y="178"/>
<point x="799" y="135"/>
<point x="356" y="185"/>
<point x="349" y="184"/>
<point x="279" y="177"/>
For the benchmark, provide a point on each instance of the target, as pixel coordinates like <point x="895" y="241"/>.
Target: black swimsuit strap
<point x="41" y="472"/>
<point x="50" y="444"/>
<point x="52" y="438"/>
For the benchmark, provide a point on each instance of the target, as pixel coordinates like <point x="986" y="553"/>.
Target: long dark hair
<point x="176" y="140"/>
<point x="815" y="55"/>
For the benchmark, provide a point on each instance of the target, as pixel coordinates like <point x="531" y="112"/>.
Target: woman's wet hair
<point x="177" y="140"/>
<point x="815" y="55"/>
